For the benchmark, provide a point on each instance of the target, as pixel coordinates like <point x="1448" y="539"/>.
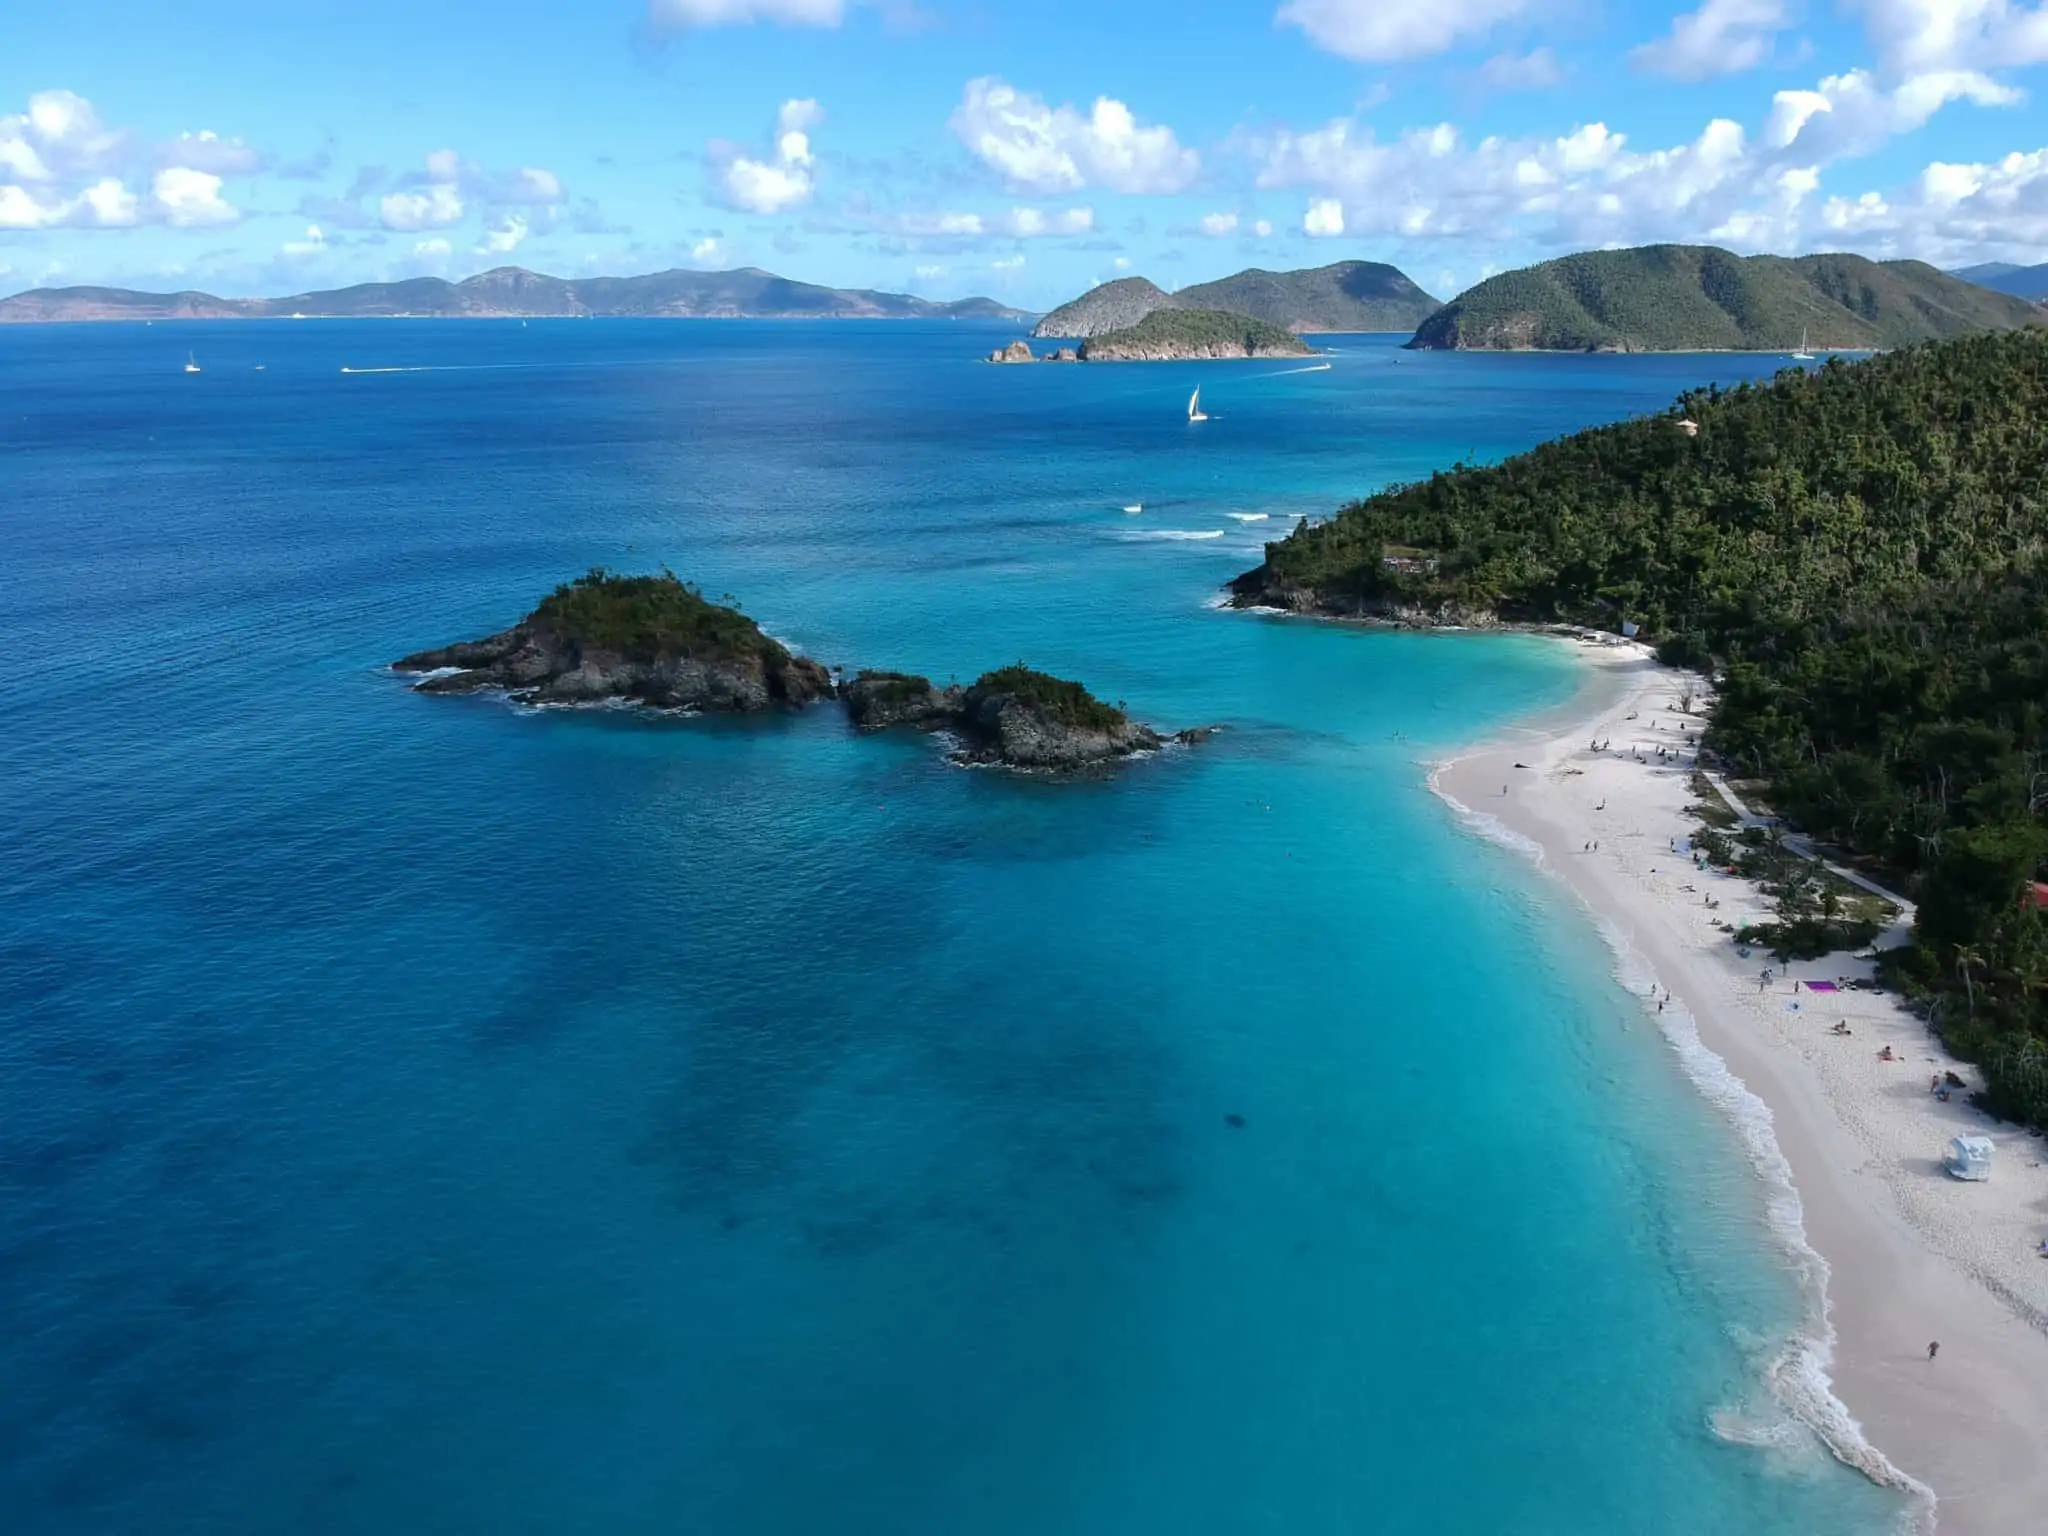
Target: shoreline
<point x="1892" y="1252"/>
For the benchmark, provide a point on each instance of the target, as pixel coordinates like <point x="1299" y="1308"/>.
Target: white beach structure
<point x="1969" y="1157"/>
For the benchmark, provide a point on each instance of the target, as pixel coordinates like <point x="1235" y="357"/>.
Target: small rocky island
<point x="657" y="640"/>
<point x="1172" y="335"/>
<point x="650" y="639"/>
<point x="1013" y="716"/>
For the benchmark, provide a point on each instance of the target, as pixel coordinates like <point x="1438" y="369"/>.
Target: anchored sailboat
<point x="191" y="363"/>
<point x="1195" y="411"/>
<point x="1802" y="355"/>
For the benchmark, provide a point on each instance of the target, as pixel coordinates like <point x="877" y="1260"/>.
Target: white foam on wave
<point x="1165" y="535"/>
<point x="1797" y="1375"/>
<point x="1249" y="517"/>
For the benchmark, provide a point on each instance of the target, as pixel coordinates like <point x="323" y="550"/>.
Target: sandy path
<point x="1911" y="1255"/>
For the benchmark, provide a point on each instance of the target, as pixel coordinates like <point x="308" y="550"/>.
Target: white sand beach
<point x="1910" y="1254"/>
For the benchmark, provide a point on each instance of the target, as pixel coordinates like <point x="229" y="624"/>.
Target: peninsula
<point x="1345" y="296"/>
<point x="1682" y="298"/>
<point x="656" y="640"/>
<point x="746" y="293"/>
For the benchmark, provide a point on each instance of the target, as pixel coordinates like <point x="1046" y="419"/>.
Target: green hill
<point x="1861" y="551"/>
<point x="1675" y="298"/>
<point x="1346" y="296"/>
<point x="1169" y="334"/>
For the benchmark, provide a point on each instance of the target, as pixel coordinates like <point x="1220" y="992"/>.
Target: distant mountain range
<point x="747" y="293"/>
<point x="1674" y="298"/>
<point x="2007" y="277"/>
<point x="1348" y="296"/>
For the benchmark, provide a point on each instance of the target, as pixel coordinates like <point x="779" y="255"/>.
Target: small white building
<point x="1969" y="1157"/>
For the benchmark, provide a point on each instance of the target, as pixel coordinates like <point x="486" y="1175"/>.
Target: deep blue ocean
<point x="430" y="1115"/>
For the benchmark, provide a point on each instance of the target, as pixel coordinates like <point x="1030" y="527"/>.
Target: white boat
<point x="191" y="363"/>
<point x="1195" y="411"/>
<point x="1802" y="355"/>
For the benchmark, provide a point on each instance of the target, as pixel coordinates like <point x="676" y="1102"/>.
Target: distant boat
<point x="191" y="363"/>
<point x="1195" y="412"/>
<point x="1136" y="506"/>
<point x="1802" y="355"/>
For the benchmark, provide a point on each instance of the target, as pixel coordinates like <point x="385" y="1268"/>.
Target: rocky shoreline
<point x="655" y="641"/>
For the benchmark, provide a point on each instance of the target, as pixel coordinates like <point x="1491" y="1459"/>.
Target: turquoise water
<point x="429" y="1115"/>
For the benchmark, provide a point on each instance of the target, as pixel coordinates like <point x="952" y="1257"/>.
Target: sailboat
<point x="1802" y="355"/>
<point x="1195" y="411"/>
<point x="191" y="363"/>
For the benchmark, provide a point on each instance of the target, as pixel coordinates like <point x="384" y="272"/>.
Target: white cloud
<point x="1263" y="228"/>
<point x="1219" y="224"/>
<point x="927" y="273"/>
<point x="1041" y="148"/>
<point x="505" y="237"/>
<point x="1027" y="222"/>
<point x="1325" y="217"/>
<point x="1380" y="31"/>
<point x="1007" y="263"/>
<point x="59" y="136"/>
<point x="312" y="245"/>
<point x="427" y="207"/>
<point x="434" y="249"/>
<point x="208" y="151"/>
<point x="1920" y="36"/>
<point x="785" y="178"/>
<point x="1852" y="114"/>
<point x="706" y="249"/>
<point x="190" y="199"/>
<point x="1122" y="263"/>
<point x="679" y="14"/>
<point x="1535" y="70"/>
<point x="1722" y="37"/>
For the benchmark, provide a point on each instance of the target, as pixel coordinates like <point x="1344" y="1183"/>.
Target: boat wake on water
<point x="1311" y="368"/>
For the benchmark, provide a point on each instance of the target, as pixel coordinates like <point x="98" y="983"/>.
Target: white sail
<point x="1195" y="406"/>
<point x="1802" y="355"/>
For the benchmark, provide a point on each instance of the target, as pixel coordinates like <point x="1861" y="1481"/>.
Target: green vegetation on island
<point x="1675" y="298"/>
<point x="642" y="617"/>
<point x="1053" y="697"/>
<point x="1167" y="334"/>
<point x="1860" y="553"/>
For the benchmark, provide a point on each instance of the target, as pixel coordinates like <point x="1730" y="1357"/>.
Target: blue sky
<point x="949" y="147"/>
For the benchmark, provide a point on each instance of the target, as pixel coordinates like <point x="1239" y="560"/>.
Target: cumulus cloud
<point x="529" y="185"/>
<point x="503" y="237"/>
<point x="1536" y="70"/>
<point x="428" y="207"/>
<point x="785" y="178"/>
<point x="706" y="249"/>
<point x="313" y="244"/>
<point x="435" y="249"/>
<point x="1219" y="224"/>
<point x="190" y="199"/>
<point x="1037" y="147"/>
<point x="680" y="15"/>
<point x="927" y="273"/>
<point x="1919" y="36"/>
<point x="60" y="137"/>
<point x="1027" y="222"/>
<point x="1382" y="31"/>
<point x="1325" y="217"/>
<point x="1007" y="263"/>
<point x="1263" y="228"/>
<point x="1722" y="37"/>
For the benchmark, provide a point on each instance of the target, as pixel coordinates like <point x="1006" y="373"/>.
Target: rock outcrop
<point x="1172" y="335"/>
<point x="1015" y="352"/>
<point x="648" y="639"/>
<point x="1015" y="718"/>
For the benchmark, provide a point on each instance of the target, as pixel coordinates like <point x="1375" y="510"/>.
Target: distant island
<point x="658" y="641"/>
<point x="1676" y="298"/>
<point x="1854" y="552"/>
<point x="747" y="293"/>
<point x="1346" y="296"/>
<point x="2007" y="277"/>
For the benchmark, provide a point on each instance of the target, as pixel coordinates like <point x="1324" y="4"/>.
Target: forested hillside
<point x="1674" y="298"/>
<point x="1859" y="550"/>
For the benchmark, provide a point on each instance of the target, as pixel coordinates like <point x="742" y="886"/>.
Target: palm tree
<point x="1966" y="957"/>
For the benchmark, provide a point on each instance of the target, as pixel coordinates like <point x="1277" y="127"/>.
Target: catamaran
<point x="1195" y="412"/>
<point x="1802" y="355"/>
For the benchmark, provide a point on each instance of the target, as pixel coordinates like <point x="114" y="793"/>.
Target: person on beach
<point x="1933" y="1349"/>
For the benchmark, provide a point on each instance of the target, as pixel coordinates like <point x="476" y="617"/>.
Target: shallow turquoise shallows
<point x="428" y="1115"/>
